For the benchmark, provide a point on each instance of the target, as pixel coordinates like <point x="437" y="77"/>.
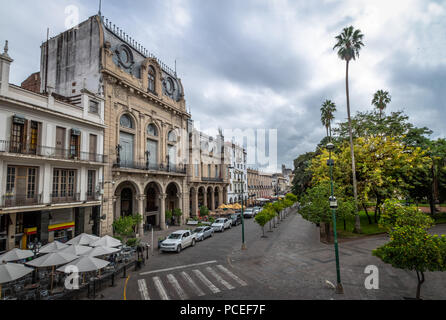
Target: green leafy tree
<point x="413" y="248"/>
<point x="348" y="44"/>
<point x="204" y="211"/>
<point x="177" y="213"/>
<point x="168" y="215"/>
<point x="125" y="226"/>
<point x="262" y="218"/>
<point x="302" y="176"/>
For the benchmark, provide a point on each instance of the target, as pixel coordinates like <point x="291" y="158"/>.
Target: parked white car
<point x="177" y="241"/>
<point x="221" y="224"/>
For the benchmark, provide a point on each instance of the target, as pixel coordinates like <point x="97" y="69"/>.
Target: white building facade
<point x="237" y="160"/>
<point x="51" y="164"/>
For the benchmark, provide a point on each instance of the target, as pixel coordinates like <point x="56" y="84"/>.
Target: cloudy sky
<point x="268" y="64"/>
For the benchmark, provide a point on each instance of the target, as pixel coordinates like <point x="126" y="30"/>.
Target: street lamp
<point x="243" y="220"/>
<point x="333" y="207"/>
<point x="34" y="247"/>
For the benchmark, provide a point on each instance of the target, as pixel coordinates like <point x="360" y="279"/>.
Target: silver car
<point x="202" y="233"/>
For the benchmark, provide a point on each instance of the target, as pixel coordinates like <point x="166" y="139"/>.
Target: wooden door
<point x="92" y="147"/>
<point x="60" y="141"/>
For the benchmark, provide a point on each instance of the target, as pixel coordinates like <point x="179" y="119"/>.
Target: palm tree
<point x="349" y="43"/>
<point x="327" y="110"/>
<point x="380" y="100"/>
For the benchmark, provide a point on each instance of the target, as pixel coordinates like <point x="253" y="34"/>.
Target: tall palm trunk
<point x="357" y="228"/>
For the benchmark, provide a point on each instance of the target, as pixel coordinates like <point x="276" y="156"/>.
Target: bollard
<point x="113" y="279"/>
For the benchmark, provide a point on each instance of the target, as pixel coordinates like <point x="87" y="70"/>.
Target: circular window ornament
<point x="126" y="122"/>
<point x="125" y="56"/>
<point x="169" y="86"/>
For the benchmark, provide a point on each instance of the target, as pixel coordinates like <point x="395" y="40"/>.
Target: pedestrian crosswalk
<point x="188" y="284"/>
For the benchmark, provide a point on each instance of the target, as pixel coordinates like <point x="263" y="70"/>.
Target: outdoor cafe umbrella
<point x="83" y="239"/>
<point x="52" y="260"/>
<point x="16" y="254"/>
<point x="54" y="246"/>
<point x="12" y="271"/>
<point x="85" y="264"/>
<point x="100" y="251"/>
<point x="76" y="250"/>
<point x="106" y="241"/>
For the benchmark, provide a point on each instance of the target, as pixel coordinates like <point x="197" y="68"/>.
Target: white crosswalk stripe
<point x="206" y="281"/>
<point x="143" y="289"/>
<point x="233" y="276"/>
<point x="192" y="284"/>
<point x="173" y="281"/>
<point x="219" y="278"/>
<point x="160" y="288"/>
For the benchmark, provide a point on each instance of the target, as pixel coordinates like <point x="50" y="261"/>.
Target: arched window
<point x="126" y="121"/>
<point x="172" y="137"/>
<point x="151" y="130"/>
<point x="151" y="79"/>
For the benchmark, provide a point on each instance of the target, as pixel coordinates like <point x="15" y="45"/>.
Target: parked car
<point x="178" y="240"/>
<point x="248" y="213"/>
<point x="202" y="233"/>
<point x="221" y="224"/>
<point x="236" y="219"/>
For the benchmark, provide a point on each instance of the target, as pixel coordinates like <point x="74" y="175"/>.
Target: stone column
<point x="205" y="198"/>
<point x="163" y="211"/>
<point x="42" y="227"/>
<point x="220" y="196"/>
<point x="11" y="232"/>
<point x="141" y="199"/>
<point x="194" y="203"/>
<point x="180" y="206"/>
<point x="213" y="200"/>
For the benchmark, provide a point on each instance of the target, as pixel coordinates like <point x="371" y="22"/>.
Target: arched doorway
<point x="209" y="197"/>
<point x="152" y="211"/>
<point x="217" y="197"/>
<point x="201" y="197"/>
<point x="172" y="199"/>
<point x="126" y="202"/>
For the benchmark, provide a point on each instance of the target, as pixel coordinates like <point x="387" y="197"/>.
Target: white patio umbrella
<point x="83" y="239"/>
<point x="100" y="251"/>
<point x="54" y="246"/>
<point x="85" y="264"/>
<point x="12" y="271"/>
<point x="15" y="254"/>
<point x="76" y="250"/>
<point x="106" y="241"/>
<point x="52" y="260"/>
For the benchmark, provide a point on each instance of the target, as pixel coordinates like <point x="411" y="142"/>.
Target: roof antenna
<point x="100" y="5"/>
<point x="175" y="67"/>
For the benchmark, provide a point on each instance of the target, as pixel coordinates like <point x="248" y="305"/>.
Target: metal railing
<point x="64" y="197"/>
<point x="212" y="179"/>
<point x="92" y="196"/>
<point x="20" y="200"/>
<point x="50" y="152"/>
<point x="150" y="167"/>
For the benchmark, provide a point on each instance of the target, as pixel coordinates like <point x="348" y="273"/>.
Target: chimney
<point x="5" y="62"/>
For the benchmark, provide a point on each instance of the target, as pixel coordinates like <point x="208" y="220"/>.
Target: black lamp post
<point x="243" y="220"/>
<point x="333" y="207"/>
<point x="34" y="247"/>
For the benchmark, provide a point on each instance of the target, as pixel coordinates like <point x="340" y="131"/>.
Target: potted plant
<point x="177" y="213"/>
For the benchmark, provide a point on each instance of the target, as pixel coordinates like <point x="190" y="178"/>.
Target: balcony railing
<point x="20" y="200"/>
<point x="50" y="152"/>
<point x="92" y="196"/>
<point x="64" y="197"/>
<point x="150" y="167"/>
<point x="212" y="179"/>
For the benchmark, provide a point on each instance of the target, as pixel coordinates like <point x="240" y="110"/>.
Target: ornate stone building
<point x="208" y="177"/>
<point x="147" y="124"/>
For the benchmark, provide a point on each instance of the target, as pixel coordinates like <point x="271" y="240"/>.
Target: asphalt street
<point x="291" y="263"/>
